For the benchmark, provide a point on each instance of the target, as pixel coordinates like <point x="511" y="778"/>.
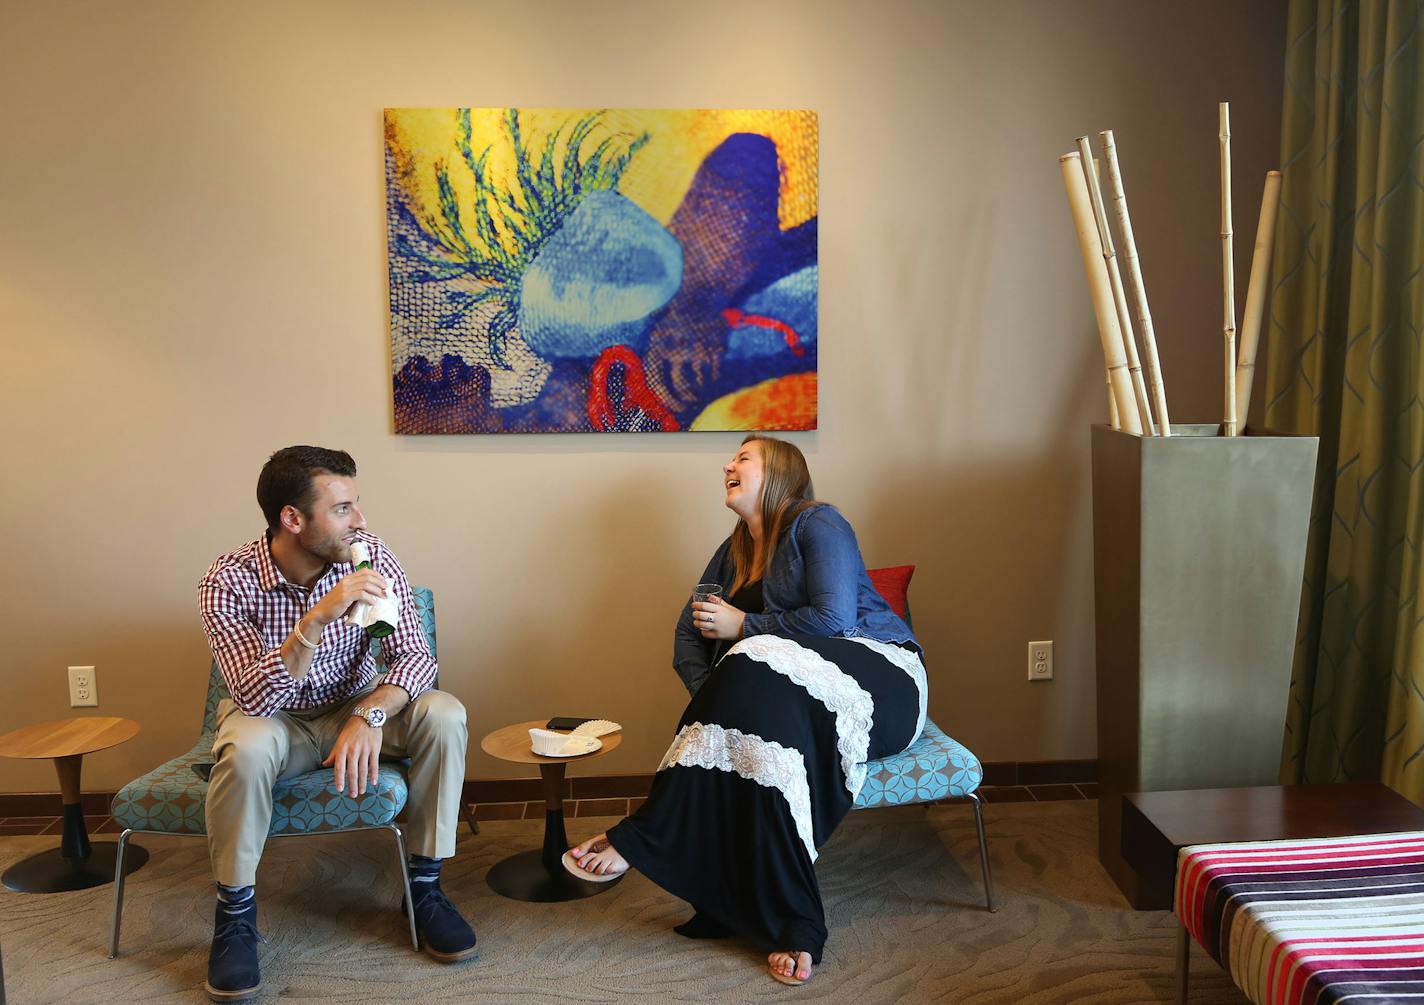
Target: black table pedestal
<point x="539" y="876"/>
<point x="77" y="864"/>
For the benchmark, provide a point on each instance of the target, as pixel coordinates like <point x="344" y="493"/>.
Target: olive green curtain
<point x="1346" y="363"/>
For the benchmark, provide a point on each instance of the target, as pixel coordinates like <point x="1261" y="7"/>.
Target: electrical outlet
<point x="83" y="687"/>
<point x="1040" y="660"/>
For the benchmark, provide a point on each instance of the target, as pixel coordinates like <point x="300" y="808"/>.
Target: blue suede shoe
<point x="444" y="935"/>
<point x="233" y="975"/>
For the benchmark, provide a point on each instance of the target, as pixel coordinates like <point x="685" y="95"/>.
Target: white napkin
<point x="387" y="609"/>
<point x="596" y="727"/>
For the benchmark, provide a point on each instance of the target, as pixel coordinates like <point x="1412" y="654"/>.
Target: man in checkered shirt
<point x="305" y="694"/>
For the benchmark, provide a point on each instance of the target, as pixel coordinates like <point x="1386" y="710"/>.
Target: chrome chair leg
<point x="983" y="850"/>
<point x="1184" y="950"/>
<point x="405" y="880"/>
<point x="118" y="891"/>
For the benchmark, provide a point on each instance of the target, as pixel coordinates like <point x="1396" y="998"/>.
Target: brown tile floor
<point x="51" y="825"/>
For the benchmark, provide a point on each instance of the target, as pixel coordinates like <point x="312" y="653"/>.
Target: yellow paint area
<point x="657" y="178"/>
<point x="782" y="403"/>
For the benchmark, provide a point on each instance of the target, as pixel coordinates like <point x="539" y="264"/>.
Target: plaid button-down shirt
<point x="249" y="609"/>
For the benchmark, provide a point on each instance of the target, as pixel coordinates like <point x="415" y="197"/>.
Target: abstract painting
<point x="602" y="270"/>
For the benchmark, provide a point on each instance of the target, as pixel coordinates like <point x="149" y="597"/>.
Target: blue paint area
<point x="790" y="251"/>
<point x="599" y="280"/>
<point x="742" y="372"/>
<point x="733" y="247"/>
<point x="792" y="301"/>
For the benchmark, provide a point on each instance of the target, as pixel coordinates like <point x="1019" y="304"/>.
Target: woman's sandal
<point x="793" y="980"/>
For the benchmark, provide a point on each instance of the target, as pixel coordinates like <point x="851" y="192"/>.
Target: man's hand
<point x="717" y="619"/>
<point x="362" y="585"/>
<point x="356" y="754"/>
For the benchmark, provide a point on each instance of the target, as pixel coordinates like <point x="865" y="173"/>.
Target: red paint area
<point x="737" y="318"/>
<point x="636" y="393"/>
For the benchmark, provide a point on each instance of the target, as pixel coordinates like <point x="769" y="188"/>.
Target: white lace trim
<point x="909" y="661"/>
<point x="769" y="764"/>
<point x="823" y="680"/>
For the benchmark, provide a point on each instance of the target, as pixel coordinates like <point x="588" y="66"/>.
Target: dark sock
<point x="702" y="926"/>
<point x="424" y="875"/>
<point x="235" y="900"/>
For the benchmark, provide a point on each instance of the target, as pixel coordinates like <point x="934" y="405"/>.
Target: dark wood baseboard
<point x="48" y="804"/>
<point x="513" y="790"/>
<point x="1040" y="772"/>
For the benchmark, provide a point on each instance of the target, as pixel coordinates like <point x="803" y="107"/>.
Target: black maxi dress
<point x="767" y="760"/>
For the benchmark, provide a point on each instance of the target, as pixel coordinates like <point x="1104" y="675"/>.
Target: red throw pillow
<point x="893" y="583"/>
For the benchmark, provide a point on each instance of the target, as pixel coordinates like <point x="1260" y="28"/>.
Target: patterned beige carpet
<point x="901" y="887"/>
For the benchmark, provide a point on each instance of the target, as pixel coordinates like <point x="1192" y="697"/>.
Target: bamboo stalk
<point x="1080" y="203"/>
<point x="1139" y="289"/>
<point x="1124" y="319"/>
<point x="1114" y="419"/>
<point x="1228" y="272"/>
<point x="1256" y="293"/>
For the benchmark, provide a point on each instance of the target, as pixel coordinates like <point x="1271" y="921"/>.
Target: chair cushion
<point x="171" y="799"/>
<point x="168" y="799"/>
<point x="893" y="583"/>
<point x="934" y="767"/>
<point x="309" y="803"/>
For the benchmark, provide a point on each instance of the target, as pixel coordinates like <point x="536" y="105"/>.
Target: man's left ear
<point x="291" y="519"/>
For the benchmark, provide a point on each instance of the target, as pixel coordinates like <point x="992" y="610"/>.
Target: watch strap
<point x="368" y="714"/>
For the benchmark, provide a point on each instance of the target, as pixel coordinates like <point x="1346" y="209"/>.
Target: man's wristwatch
<point x="375" y="716"/>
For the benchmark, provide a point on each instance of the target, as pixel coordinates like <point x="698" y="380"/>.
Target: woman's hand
<point x="717" y="619"/>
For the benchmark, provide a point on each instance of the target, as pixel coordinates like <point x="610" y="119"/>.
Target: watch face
<point x="376" y="717"/>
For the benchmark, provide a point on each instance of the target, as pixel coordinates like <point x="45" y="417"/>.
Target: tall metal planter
<point x="1198" y="554"/>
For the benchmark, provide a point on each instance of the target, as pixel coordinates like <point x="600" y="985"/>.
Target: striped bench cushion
<point x="1317" y="921"/>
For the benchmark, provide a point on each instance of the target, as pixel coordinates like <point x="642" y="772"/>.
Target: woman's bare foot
<point x="597" y="858"/>
<point x="790" y="968"/>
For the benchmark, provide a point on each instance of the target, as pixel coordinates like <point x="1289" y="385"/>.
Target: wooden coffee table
<point x="1156" y="825"/>
<point x="76" y="864"/>
<point x="539" y="876"/>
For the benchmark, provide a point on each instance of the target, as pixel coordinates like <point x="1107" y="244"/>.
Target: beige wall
<point x="192" y="273"/>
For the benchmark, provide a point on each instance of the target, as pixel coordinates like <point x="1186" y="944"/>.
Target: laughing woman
<point x="798" y="677"/>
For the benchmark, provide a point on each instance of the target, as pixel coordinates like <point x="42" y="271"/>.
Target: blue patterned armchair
<point x="933" y="768"/>
<point x="171" y="799"/>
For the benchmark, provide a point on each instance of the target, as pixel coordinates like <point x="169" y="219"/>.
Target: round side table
<point x="539" y="876"/>
<point x="76" y="864"/>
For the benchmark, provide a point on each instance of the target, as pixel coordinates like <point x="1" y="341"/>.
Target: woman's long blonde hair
<point x="785" y="491"/>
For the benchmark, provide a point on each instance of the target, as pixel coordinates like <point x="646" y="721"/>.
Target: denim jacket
<point x="815" y="584"/>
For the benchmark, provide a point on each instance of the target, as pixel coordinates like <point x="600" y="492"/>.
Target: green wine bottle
<point x="378" y="619"/>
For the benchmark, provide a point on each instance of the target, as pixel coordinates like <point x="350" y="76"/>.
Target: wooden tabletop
<point x="1276" y="812"/>
<point x="67" y="737"/>
<point x="512" y="744"/>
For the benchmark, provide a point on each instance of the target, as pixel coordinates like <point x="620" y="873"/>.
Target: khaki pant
<point x="253" y="752"/>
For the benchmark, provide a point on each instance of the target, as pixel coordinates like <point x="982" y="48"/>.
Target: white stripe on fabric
<point x="1245" y="863"/>
<point x="909" y="661"/>
<point x="1308" y="845"/>
<point x="766" y="762"/>
<point x="851" y="705"/>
